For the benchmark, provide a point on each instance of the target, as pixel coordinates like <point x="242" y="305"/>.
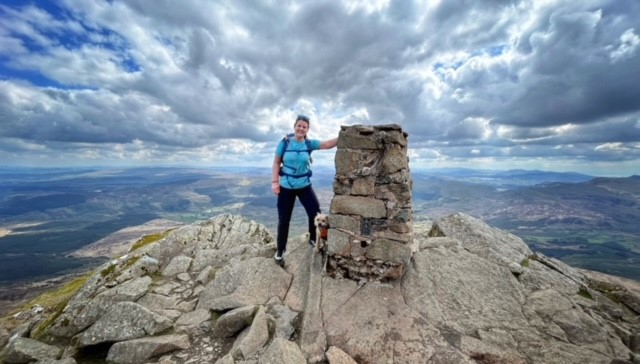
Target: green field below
<point x="608" y="252"/>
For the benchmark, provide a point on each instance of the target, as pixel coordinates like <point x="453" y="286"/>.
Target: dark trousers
<point x="286" y="201"/>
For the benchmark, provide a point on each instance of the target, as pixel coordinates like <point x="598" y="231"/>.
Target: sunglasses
<point x="303" y="118"/>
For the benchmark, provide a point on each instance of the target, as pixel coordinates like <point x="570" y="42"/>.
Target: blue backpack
<point x="285" y="140"/>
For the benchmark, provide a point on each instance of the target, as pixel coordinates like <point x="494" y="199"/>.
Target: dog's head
<point x="321" y="220"/>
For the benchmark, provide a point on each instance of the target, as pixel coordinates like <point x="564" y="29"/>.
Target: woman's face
<point x="301" y="128"/>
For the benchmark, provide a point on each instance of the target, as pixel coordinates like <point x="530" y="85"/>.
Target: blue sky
<point x="549" y="85"/>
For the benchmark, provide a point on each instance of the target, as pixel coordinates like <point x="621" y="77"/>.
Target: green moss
<point x="253" y="315"/>
<point x="215" y="315"/>
<point x="612" y="291"/>
<point x="613" y="297"/>
<point x="150" y="239"/>
<point x="108" y="270"/>
<point x="606" y="287"/>
<point x="58" y="300"/>
<point x="131" y="261"/>
<point x="61" y="295"/>
<point x="584" y="292"/>
<point x="525" y="263"/>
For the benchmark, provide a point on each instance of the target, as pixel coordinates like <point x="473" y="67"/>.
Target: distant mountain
<point x="609" y="203"/>
<point x="502" y="179"/>
<point x="45" y="214"/>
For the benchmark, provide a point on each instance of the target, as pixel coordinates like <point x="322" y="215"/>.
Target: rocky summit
<point x="211" y="293"/>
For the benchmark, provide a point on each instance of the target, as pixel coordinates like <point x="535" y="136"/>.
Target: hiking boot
<point x="279" y="259"/>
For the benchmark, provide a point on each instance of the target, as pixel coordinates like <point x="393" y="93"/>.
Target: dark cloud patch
<point x="574" y="75"/>
<point x="469" y="80"/>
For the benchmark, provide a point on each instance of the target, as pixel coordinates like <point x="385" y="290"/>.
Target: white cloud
<point x="208" y="81"/>
<point x="629" y="44"/>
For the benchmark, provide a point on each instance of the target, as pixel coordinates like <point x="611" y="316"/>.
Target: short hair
<point x="303" y="118"/>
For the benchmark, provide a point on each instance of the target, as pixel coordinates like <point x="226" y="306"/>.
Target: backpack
<point x="285" y="140"/>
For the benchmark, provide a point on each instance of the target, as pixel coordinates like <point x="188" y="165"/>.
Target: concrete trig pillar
<point x="371" y="214"/>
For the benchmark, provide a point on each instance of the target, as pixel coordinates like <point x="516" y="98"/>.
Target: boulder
<point x="124" y="321"/>
<point x="233" y="321"/>
<point x="177" y="265"/>
<point x="24" y="350"/>
<point x="337" y="356"/>
<point x="256" y="336"/>
<point x="242" y="283"/>
<point x="481" y="239"/>
<point x="282" y="351"/>
<point x="139" y="350"/>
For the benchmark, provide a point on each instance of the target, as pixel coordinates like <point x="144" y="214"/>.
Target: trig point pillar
<point x="371" y="215"/>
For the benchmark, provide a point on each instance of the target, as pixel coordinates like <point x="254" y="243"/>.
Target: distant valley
<point x="47" y="214"/>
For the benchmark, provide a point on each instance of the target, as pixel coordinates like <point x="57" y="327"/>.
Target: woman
<point x="292" y="178"/>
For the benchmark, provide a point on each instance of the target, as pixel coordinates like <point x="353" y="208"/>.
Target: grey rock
<point x="539" y="277"/>
<point x="233" y="321"/>
<point x="282" y="351"/>
<point x="299" y="259"/>
<point x="184" y="277"/>
<point x="284" y="318"/>
<point x="143" y="265"/>
<point x="313" y="338"/>
<point x="59" y="361"/>
<point x="93" y="309"/>
<point x="389" y="251"/>
<point x="352" y="140"/>
<point x="337" y="356"/>
<point x="347" y="223"/>
<point x="193" y="318"/>
<point x="24" y="350"/>
<point x="394" y="159"/>
<point x="486" y="294"/>
<point x="124" y="321"/>
<point x="256" y="337"/>
<point x="171" y="314"/>
<point x="482" y="239"/>
<point x="515" y="268"/>
<point x="177" y="265"/>
<point x="350" y="162"/>
<point x="465" y="297"/>
<point x="374" y="324"/>
<point x="358" y="205"/>
<point x="217" y="258"/>
<point x="436" y="242"/>
<point x="204" y="275"/>
<point x="165" y="288"/>
<point x="187" y="306"/>
<point x="22" y="330"/>
<point x="138" y="350"/>
<point x="157" y="302"/>
<point x="227" y="359"/>
<point x="179" y="242"/>
<point x="488" y="352"/>
<point x="237" y="230"/>
<point x="244" y="283"/>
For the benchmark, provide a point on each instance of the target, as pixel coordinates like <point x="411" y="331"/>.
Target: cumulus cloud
<point x="221" y="82"/>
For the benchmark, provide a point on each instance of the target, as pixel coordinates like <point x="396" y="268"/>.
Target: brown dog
<point x="321" y="221"/>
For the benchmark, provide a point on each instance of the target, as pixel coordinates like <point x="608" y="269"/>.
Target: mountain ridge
<point x="120" y="198"/>
<point x="472" y="294"/>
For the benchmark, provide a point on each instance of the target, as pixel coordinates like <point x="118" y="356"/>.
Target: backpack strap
<point x="285" y="140"/>
<point x="285" y="149"/>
